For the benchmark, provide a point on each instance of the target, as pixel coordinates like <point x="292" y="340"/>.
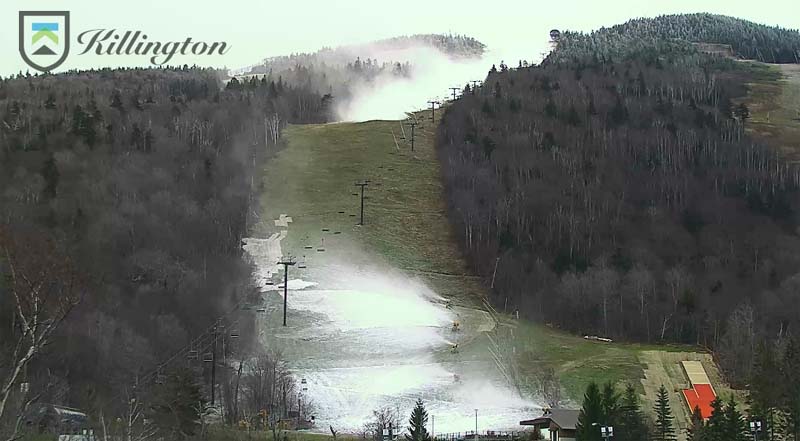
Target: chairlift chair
<point x="192" y="355"/>
<point x="208" y="357"/>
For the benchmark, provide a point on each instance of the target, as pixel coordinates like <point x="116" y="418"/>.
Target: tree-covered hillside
<point x="623" y="198"/>
<point x="669" y="33"/>
<point x="139" y="182"/>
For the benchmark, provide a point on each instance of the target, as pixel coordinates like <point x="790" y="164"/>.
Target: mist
<point x="433" y="74"/>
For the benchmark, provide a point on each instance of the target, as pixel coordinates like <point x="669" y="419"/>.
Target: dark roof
<point x="564" y="418"/>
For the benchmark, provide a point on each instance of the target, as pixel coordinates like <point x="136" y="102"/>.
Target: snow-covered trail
<point x="383" y="341"/>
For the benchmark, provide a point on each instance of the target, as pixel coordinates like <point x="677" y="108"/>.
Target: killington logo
<point x="44" y="38"/>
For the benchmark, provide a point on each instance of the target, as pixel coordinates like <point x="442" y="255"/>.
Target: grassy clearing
<point x="774" y="101"/>
<point x="312" y="180"/>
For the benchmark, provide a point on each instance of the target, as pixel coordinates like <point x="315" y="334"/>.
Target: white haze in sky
<point x="389" y="97"/>
<point x="433" y="74"/>
<point x="258" y="28"/>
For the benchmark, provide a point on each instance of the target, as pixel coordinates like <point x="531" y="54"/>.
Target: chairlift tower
<point x="433" y="104"/>
<point x="362" y="184"/>
<point x="455" y="90"/>
<point x="286" y="262"/>
<point x="412" y="124"/>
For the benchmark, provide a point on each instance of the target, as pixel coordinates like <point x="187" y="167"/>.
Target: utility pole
<point x="433" y="109"/>
<point x="363" y="184"/>
<point x="214" y="364"/>
<point x="286" y="262"/>
<point x="412" y="124"/>
<point x="455" y="89"/>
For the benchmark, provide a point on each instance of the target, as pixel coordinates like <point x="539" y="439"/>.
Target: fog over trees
<point x="346" y="72"/>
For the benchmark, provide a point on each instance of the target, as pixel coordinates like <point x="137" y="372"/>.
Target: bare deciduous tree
<point x="45" y="288"/>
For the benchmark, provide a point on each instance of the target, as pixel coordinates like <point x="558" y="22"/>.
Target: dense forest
<point x="674" y="33"/>
<point x="625" y="199"/>
<point x="125" y="197"/>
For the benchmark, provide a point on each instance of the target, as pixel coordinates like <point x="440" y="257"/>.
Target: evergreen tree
<point x="765" y="392"/>
<point x="631" y="425"/>
<point x="51" y="101"/>
<point x="416" y="424"/>
<point x="743" y="112"/>
<point x="177" y="405"/>
<point x="50" y="174"/>
<point x="116" y="100"/>
<point x="735" y="426"/>
<point x="696" y="431"/>
<point x="715" y="426"/>
<point x="791" y="389"/>
<point x="664" y="429"/>
<point x="610" y="400"/>
<point x="591" y="413"/>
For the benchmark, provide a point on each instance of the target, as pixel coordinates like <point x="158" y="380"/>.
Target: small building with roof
<point x="560" y="424"/>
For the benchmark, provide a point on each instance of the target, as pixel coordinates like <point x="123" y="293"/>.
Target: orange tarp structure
<point x="700" y="395"/>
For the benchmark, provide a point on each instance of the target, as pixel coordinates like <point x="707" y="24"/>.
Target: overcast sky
<point x="258" y="28"/>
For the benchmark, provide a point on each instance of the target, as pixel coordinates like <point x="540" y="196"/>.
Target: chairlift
<point x="208" y="357"/>
<point x="234" y="333"/>
<point x="325" y="230"/>
<point x="192" y="355"/>
<point x="337" y="232"/>
<point x="302" y="264"/>
<point x="309" y="247"/>
<point x="261" y="310"/>
<point x="341" y="212"/>
<point x="269" y="282"/>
